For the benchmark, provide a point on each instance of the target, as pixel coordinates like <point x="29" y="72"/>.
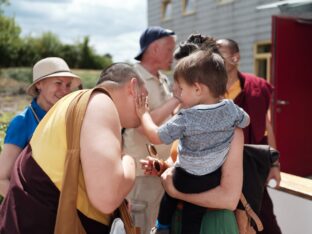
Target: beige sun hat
<point x="51" y="67"/>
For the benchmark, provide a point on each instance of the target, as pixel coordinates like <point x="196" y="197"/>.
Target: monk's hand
<point x="147" y="166"/>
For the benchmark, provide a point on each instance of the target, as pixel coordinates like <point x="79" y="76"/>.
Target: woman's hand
<point x="275" y="174"/>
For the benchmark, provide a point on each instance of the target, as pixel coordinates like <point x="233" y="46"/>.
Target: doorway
<point x="292" y="99"/>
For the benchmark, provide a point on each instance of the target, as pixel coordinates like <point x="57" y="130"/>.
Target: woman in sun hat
<point x="52" y="80"/>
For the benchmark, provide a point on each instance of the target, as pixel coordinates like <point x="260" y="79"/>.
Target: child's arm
<point x="243" y="118"/>
<point x="149" y="127"/>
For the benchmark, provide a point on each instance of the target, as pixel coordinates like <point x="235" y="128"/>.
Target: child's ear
<point x="198" y="88"/>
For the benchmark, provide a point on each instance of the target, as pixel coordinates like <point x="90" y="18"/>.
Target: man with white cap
<point x="156" y="53"/>
<point x="52" y="80"/>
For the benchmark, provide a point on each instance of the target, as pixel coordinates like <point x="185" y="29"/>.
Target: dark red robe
<point x="255" y="100"/>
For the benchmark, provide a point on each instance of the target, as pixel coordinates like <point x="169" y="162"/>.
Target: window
<point x="188" y="7"/>
<point x="166" y="9"/>
<point x="262" y="59"/>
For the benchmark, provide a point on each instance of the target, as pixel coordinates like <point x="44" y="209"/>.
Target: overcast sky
<point x="113" y="26"/>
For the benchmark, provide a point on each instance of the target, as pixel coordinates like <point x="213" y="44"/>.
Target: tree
<point x="86" y="54"/>
<point x="29" y="52"/>
<point x="90" y="60"/>
<point x="50" y="45"/>
<point x="71" y="54"/>
<point x="16" y="51"/>
<point x="9" y="41"/>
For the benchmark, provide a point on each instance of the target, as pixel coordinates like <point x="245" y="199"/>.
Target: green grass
<point x="88" y="77"/>
<point x="3" y="127"/>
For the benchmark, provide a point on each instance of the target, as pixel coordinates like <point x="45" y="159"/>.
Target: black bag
<point x="257" y="162"/>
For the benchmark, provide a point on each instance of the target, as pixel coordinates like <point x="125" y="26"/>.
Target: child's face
<point x="187" y="94"/>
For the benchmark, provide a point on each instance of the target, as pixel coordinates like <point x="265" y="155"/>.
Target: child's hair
<point x="204" y="67"/>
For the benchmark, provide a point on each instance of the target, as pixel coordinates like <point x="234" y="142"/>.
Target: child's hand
<point x="141" y="103"/>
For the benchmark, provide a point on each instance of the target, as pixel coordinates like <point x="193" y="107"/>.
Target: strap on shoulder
<point x="67" y="220"/>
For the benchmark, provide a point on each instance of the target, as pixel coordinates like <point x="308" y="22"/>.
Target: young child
<point x="205" y="127"/>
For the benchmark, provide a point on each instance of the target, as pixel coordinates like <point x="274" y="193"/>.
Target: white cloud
<point x="113" y="26"/>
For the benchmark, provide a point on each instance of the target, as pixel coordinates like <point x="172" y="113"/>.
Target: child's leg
<point x="191" y="218"/>
<point x="192" y="214"/>
<point x="166" y="210"/>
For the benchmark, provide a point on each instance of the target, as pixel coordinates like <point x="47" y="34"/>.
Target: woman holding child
<point x="199" y="96"/>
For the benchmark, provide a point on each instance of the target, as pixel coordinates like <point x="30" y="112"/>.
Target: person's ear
<point x="235" y="58"/>
<point x="133" y="86"/>
<point x="38" y="85"/>
<point x="198" y="88"/>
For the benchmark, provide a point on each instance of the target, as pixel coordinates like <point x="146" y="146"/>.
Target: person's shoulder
<point x="21" y="118"/>
<point x="140" y="69"/>
<point x="251" y="78"/>
<point x="100" y="100"/>
<point x="256" y="84"/>
<point x="226" y="101"/>
<point x="229" y="104"/>
<point x="143" y="72"/>
<point x="19" y="129"/>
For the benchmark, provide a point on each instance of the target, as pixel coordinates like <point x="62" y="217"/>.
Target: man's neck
<point x="232" y="78"/>
<point x="151" y="68"/>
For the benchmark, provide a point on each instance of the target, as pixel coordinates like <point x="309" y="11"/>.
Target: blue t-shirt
<point x="23" y="125"/>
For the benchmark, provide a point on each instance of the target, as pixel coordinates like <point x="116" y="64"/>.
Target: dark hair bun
<point x="184" y="49"/>
<point x="197" y="39"/>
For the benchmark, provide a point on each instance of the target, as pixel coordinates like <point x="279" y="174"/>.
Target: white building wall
<point x="239" y="20"/>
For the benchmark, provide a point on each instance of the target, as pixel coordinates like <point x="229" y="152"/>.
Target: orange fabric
<point x="233" y="91"/>
<point x="174" y="150"/>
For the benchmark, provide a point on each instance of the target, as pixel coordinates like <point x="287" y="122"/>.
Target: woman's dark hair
<point x="184" y="49"/>
<point x="195" y="42"/>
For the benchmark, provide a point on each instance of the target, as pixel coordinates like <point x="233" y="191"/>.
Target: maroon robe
<point x="32" y="200"/>
<point x="255" y="100"/>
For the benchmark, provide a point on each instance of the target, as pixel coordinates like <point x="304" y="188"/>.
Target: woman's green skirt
<point x="214" y="222"/>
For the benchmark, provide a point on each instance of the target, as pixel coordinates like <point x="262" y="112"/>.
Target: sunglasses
<point x="153" y="152"/>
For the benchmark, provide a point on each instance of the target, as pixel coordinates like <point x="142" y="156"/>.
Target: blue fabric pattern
<point x="205" y="133"/>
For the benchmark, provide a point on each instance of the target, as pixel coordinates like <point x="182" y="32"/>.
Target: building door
<point x="292" y="100"/>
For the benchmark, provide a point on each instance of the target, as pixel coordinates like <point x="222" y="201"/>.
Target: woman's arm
<point x="275" y="172"/>
<point x="8" y="156"/>
<point x="227" y="194"/>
